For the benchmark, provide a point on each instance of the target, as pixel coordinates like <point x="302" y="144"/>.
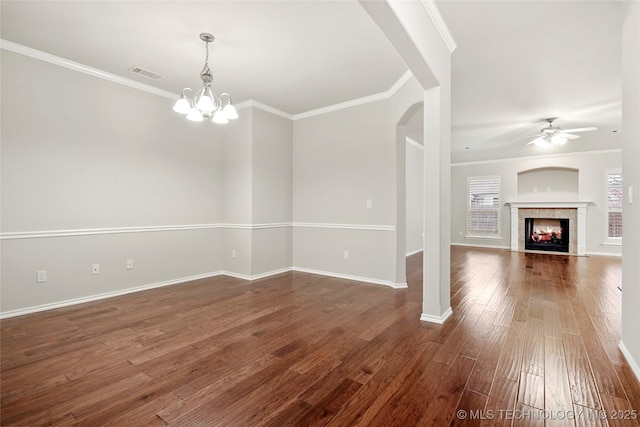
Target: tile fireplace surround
<point x="575" y="211"/>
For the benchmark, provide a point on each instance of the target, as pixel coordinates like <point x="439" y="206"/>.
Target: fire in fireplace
<point x="546" y="234"/>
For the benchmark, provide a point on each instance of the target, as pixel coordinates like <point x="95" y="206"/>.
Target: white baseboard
<point x="256" y="276"/>
<point x="349" y="277"/>
<point x="75" y="301"/>
<point x="603" y="254"/>
<point x="66" y="303"/>
<point x="632" y="362"/>
<point x="473" y="245"/>
<point x="436" y="319"/>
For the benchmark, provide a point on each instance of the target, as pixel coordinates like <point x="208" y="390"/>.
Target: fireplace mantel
<point x="581" y="221"/>
<point x="550" y="205"/>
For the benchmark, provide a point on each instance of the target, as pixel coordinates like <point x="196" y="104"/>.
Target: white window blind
<point x="614" y="205"/>
<point x="483" y="205"/>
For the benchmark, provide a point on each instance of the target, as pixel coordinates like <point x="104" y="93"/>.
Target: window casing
<point x="483" y="206"/>
<point x="614" y="205"/>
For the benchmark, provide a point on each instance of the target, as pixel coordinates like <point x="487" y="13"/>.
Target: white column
<point x="514" y="228"/>
<point x="582" y="231"/>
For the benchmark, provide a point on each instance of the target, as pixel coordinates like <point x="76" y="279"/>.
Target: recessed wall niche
<point x="548" y="184"/>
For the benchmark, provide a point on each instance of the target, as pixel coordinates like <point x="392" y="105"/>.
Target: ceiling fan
<point x="552" y="136"/>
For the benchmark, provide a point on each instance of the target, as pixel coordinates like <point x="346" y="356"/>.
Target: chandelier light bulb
<point x="182" y="105"/>
<point x="220" y="117"/>
<point x="230" y="111"/>
<point x="195" y="115"/>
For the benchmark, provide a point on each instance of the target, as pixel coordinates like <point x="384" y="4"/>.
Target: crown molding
<point x="255" y="104"/>
<point x="76" y="66"/>
<point x="542" y="156"/>
<point x="358" y="101"/>
<point x="95" y="72"/>
<point x="440" y="24"/>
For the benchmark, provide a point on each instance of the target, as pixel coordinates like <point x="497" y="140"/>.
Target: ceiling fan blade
<point x="579" y="129"/>
<point x="539" y="139"/>
<point x="568" y="135"/>
<point x="533" y="136"/>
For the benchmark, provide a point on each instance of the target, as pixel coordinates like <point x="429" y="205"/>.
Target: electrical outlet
<point x="42" y="276"/>
<point x="95" y="268"/>
<point x="369" y="203"/>
<point x="233" y="253"/>
<point x="129" y="264"/>
<point x="346" y="254"/>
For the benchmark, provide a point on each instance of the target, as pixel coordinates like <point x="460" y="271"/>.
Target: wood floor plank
<point x="533" y="350"/>
<point x="501" y="401"/>
<point x="618" y="412"/>
<point x="448" y="394"/>
<point x="485" y="368"/>
<point x="557" y="392"/>
<point x="531" y="335"/>
<point x="583" y="387"/>
<point x="470" y="410"/>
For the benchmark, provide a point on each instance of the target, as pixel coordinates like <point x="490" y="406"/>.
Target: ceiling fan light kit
<point x="205" y="105"/>
<point x="552" y="136"/>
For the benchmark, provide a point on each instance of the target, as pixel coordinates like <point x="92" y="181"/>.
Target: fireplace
<point x="546" y="234"/>
<point x="575" y="233"/>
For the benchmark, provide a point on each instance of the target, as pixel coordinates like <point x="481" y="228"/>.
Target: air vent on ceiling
<point x="146" y="73"/>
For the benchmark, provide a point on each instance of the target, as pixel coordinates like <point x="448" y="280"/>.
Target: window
<point x="614" y="204"/>
<point x="483" y="205"/>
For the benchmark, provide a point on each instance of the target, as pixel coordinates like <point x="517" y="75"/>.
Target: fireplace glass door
<point x="546" y="234"/>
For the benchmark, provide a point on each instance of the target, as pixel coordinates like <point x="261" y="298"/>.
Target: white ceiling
<point x="294" y="56"/>
<point x="517" y="62"/>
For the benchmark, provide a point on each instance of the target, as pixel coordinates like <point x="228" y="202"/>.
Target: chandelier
<point x="205" y="105"/>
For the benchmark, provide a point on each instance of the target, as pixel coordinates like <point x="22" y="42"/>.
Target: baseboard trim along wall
<point x="471" y="245"/>
<point x="632" y="363"/>
<point x="66" y="303"/>
<point x="349" y="277"/>
<point x="75" y="301"/>
<point x="257" y="276"/>
<point x="436" y="319"/>
<point x="603" y="254"/>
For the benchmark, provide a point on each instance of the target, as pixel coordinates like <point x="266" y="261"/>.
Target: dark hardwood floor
<point x="532" y="341"/>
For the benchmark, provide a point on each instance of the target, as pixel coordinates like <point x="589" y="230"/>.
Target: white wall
<point x="414" y="199"/>
<point x="630" y="341"/>
<point x="272" y="192"/>
<point x="342" y="159"/>
<point x="237" y="162"/>
<point x="549" y="184"/>
<point x="81" y="155"/>
<point x="258" y="194"/>
<point x="592" y="169"/>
